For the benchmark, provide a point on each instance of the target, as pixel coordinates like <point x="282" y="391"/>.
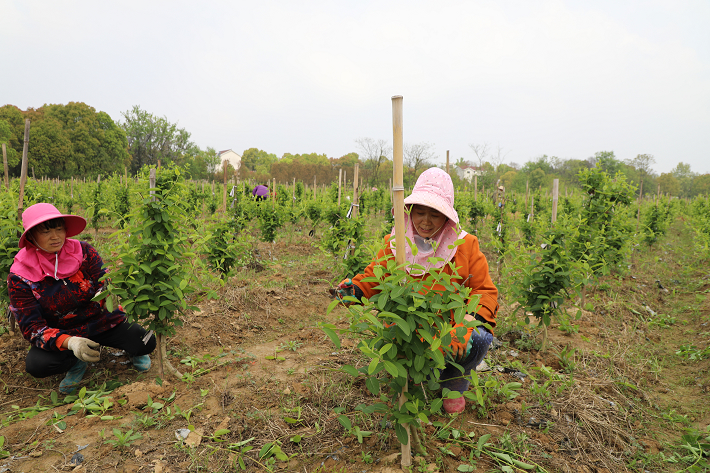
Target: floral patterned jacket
<point x="50" y="310"/>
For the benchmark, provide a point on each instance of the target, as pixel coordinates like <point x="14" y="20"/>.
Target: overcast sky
<point x="561" y="78"/>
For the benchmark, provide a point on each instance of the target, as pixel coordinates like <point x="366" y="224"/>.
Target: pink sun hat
<point x="434" y="189"/>
<point x="39" y="213"/>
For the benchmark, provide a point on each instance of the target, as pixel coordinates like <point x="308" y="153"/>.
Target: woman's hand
<point x="83" y="349"/>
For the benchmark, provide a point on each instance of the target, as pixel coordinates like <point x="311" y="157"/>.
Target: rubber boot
<point x="73" y="377"/>
<point x="141" y="363"/>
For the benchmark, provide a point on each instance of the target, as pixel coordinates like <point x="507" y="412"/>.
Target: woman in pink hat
<point x="433" y="225"/>
<point x="51" y="284"/>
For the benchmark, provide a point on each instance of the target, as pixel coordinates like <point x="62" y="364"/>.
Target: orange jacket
<point x="468" y="260"/>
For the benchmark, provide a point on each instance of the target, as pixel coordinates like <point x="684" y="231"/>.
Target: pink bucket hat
<point x="434" y="189"/>
<point x="39" y="213"/>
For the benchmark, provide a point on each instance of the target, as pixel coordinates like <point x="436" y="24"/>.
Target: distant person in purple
<point x="260" y="192"/>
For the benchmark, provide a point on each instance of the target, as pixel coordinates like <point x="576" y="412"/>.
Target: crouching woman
<point x="432" y="224"/>
<point x="51" y="283"/>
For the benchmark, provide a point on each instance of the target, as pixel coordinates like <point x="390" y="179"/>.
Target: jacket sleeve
<point x="368" y="287"/>
<point x="481" y="282"/>
<point x="28" y="314"/>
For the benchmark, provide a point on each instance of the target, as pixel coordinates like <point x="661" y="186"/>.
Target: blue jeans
<point x="452" y="377"/>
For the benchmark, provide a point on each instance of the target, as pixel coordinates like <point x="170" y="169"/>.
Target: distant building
<point x="466" y="172"/>
<point x="230" y="156"/>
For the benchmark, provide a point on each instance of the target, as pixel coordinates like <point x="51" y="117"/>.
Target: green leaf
<point x="351" y="370"/>
<point x="332" y="335"/>
<point x="373" y="385"/>
<point x="401" y="433"/>
<point x="345" y="422"/>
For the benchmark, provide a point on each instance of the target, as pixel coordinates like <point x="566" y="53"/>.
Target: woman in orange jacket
<point x="433" y="225"/>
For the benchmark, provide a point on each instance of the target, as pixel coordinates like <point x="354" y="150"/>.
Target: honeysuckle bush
<point x="10" y="231"/>
<point x="701" y="225"/>
<point x="153" y="278"/>
<point x="405" y="330"/>
<point x="604" y="229"/>
<point x="545" y="278"/>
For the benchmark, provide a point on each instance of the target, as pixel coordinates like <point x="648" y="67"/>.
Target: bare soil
<point x="261" y="368"/>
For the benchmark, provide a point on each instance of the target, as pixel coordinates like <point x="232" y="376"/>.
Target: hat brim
<point x="73" y="224"/>
<point x="433" y="201"/>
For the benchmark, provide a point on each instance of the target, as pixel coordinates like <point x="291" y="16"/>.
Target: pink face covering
<point x="34" y="264"/>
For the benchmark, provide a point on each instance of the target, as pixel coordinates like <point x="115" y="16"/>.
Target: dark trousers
<point x="128" y="337"/>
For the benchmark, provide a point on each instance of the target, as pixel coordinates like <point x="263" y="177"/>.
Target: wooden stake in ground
<point x="638" y="209"/>
<point x="224" y="191"/>
<point x="23" y="181"/>
<point x="475" y="188"/>
<point x="555" y="196"/>
<point x="314" y="187"/>
<point x="273" y="187"/>
<point x="340" y="183"/>
<point x="356" y="191"/>
<point x="398" y="189"/>
<point x="4" y="162"/>
<point x="447" y="161"/>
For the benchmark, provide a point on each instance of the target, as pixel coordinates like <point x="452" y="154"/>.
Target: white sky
<point x="562" y="78"/>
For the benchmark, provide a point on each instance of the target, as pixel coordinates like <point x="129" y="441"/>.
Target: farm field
<point x="623" y="386"/>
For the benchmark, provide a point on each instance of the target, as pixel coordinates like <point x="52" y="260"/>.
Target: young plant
<point x="123" y="440"/>
<point x="544" y="282"/>
<point x="409" y="338"/>
<point x="153" y="276"/>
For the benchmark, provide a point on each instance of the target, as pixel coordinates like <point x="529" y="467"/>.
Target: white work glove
<point x="83" y="349"/>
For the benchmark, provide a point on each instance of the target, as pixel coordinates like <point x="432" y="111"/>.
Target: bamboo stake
<point x="314" y="187"/>
<point x="273" y="198"/>
<point x="4" y="162"/>
<point x="224" y="191"/>
<point x="355" y="191"/>
<point x="23" y="170"/>
<point x="340" y="183"/>
<point x="398" y="189"/>
<point x="555" y="196"/>
<point x="475" y="188"/>
<point x="638" y="209"/>
<point x="447" y="161"/>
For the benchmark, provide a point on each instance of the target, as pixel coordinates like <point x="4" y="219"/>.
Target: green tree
<point x="685" y="177"/>
<point x="537" y="178"/>
<point x="701" y="185"/>
<point x="14" y="119"/>
<point x="152" y="138"/>
<point x="98" y="145"/>
<point x="606" y="161"/>
<point x="51" y="148"/>
<point x="669" y="184"/>
<point x="258" y="160"/>
<point x="6" y="136"/>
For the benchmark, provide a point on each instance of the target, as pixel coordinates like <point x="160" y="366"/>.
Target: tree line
<point x="76" y="140"/>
